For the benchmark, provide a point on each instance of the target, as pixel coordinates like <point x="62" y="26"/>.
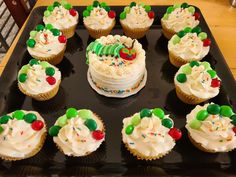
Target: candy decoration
<point x="147" y="8"/>
<point x="234" y="129"/>
<point x="37" y="125"/>
<point x="112" y="14"/>
<point x="68" y="6"/>
<point x="95" y="3"/>
<point x="145" y="113"/>
<point x="151" y="14"/>
<point x="169" y="10"/>
<point x="197" y="15"/>
<point x="206" y="65"/>
<point x="181" y="78"/>
<point x="30" y="43"/>
<point x="213" y="109"/>
<point x="73" y="12"/>
<point x="51" y="80"/>
<point x="85" y="114"/>
<point x="181" y="34"/>
<point x="55" y="32"/>
<point x="39" y="27"/>
<point x="62" y="39"/>
<point x="1" y="129"/>
<point x="18" y="114"/>
<point x="186" y="69"/>
<point x="54" y="130"/>
<point x="194" y="63"/>
<point x="212" y="73"/>
<point x="197" y="30"/>
<point x="191" y="9"/>
<point x="202" y="35"/>
<point x="158" y="112"/>
<point x="24" y="69"/>
<point x="33" y="62"/>
<point x="49" y="26"/>
<point x="90" y="8"/>
<point x="62" y="121"/>
<point x="22" y="77"/>
<point x="175" y="39"/>
<point x="233" y="118"/>
<point x="195" y="124"/>
<point x="202" y="115"/>
<point x="165" y="17"/>
<point x="50" y="71"/>
<point x="132" y="4"/>
<point x="63" y="2"/>
<point x="167" y="122"/>
<point x="4" y="119"/>
<point x="127" y="9"/>
<point x="56" y="4"/>
<point x="50" y="8"/>
<point x="184" y="5"/>
<point x="30" y="117"/>
<point x="98" y="135"/>
<point x="71" y="112"/>
<point x="215" y="83"/>
<point x="44" y="64"/>
<point x="175" y="133"/>
<point x="122" y="15"/>
<point x="226" y="111"/>
<point x="91" y="124"/>
<point x="103" y="4"/>
<point x="136" y="119"/>
<point x="187" y="30"/>
<point x="129" y="129"/>
<point x="177" y="6"/>
<point x="107" y="8"/>
<point x="86" y="13"/>
<point x="206" y="42"/>
<point x="33" y="34"/>
<point x="47" y="13"/>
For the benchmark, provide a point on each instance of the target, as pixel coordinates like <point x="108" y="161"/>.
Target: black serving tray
<point x="112" y="159"/>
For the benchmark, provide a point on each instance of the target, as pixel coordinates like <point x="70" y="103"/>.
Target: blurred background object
<point x="233" y="3"/>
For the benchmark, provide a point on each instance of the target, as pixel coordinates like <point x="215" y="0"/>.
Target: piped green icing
<point x="117" y="50"/>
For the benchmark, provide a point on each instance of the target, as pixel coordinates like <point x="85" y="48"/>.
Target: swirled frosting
<point x="18" y="139"/>
<point x="189" y="48"/>
<point x="215" y="132"/>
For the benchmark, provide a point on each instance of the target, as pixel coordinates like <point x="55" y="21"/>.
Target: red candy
<point x="51" y="80"/>
<point x="37" y="125"/>
<point x="98" y="135"/>
<point x="175" y="133"/>
<point x="234" y="129"/>
<point x="206" y="42"/>
<point x="62" y="39"/>
<point x="73" y="12"/>
<point x="215" y="83"/>
<point x="151" y="14"/>
<point x="112" y="14"/>
<point x="197" y="15"/>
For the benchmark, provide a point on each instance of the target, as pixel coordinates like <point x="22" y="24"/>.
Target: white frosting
<point x="179" y="19"/>
<point x="215" y="133"/>
<point x="47" y="45"/>
<point x="75" y="139"/>
<point x="198" y="83"/>
<point x="36" y="82"/>
<point x="189" y="48"/>
<point x="61" y="19"/>
<point x="98" y="19"/>
<point x="18" y="138"/>
<point x="150" y="138"/>
<point x="137" y="18"/>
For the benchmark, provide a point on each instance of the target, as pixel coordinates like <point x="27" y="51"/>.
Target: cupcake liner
<point x="101" y="32"/>
<point x="69" y="32"/>
<point x="42" y="96"/>
<point x="167" y="32"/>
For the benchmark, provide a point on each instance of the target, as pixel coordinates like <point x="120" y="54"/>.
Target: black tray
<point x="112" y="158"/>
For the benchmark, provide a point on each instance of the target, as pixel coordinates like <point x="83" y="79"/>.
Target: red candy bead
<point x="37" y="125"/>
<point x="197" y="15"/>
<point x="234" y="129"/>
<point x="206" y="42"/>
<point x="175" y="133"/>
<point x="215" y="82"/>
<point x="51" y="80"/>
<point x="151" y="14"/>
<point x="98" y="134"/>
<point x="73" y="12"/>
<point x="112" y="14"/>
<point x="62" y="39"/>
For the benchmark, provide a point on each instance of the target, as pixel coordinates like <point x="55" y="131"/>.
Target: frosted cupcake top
<point x="137" y="15"/>
<point x="150" y="132"/>
<point x="46" y="41"/>
<point x="78" y="132"/>
<point x="99" y="16"/>
<point x="20" y="133"/>
<point x="213" y="126"/>
<point x="190" y="44"/>
<point x="61" y="15"/>
<point x="38" y="77"/>
<point x="198" y="79"/>
<point x="180" y="16"/>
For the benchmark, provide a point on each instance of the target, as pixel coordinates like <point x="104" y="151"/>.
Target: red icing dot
<point x="62" y="39"/>
<point x="206" y="42"/>
<point x="37" y="125"/>
<point x="197" y="15"/>
<point x="98" y="134"/>
<point x="51" y="80"/>
<point x="73" y="12"/>
<point x="234" y="129"/>
<point x="215" y="82"/>
<point x="175" y="133"/>
<point x="151" y="14"/>
<point x="112" y="14"/>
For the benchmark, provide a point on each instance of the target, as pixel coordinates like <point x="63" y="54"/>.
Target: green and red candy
<point x="64" y="4"/>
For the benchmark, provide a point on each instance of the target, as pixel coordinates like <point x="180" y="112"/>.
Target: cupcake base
<point x="167" y="32"/>
<point x="69" y="32"/>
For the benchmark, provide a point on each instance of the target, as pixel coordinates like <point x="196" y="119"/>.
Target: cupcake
<point x="22" y="135"/>
<point x="188" y="45"/>
<point x="47" y="44"/>
<point x="196" y="82"/>
<point x="99" y="19"/>
<point x="211" y="128"/>
<point x="78" y="132"/>
<point x="177" y="18"/>
<point x="63" y="17"/>
<point x="39" y="80"/>
<point x="136" y="20"/>
<point x="149" y="134"/>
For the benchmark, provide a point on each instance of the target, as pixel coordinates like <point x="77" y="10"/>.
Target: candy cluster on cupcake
<point x="47" y="43"/>
<point x="99" y="19"/>
<point x="190" y="44"/>
<point x="78" y="132"/>
<point x="39" y="80"/>
<point x="62" y="16"/>
<point x="136" y="19"/>
<point x="177" y="18"/>
<point x="196" y="82"/>
<point x="212" y="128"/>
<point x="149" y="134"/>
<point x="22" y="135"/>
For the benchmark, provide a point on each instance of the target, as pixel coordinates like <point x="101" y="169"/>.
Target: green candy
<point x="175" y="6"/>
<point x="175" y="39"/>
<point x="233" y="118"/>
<point x="147" y="8"/>
<point x="24" y="69"/>
<point x="167" y="122"/>
<point x="213" y="109"/>
<point x="71" y="112"/>
<point x="159" y="113"/>
<point x="145" y="113"/>
<point x="142" y="4"/>
<point x="62" y="121"/>
<point x="54" y="130"/>
<point x="127" y="9"/>
<point x="202" y="35"/>
<point x="136" y="120"/>
<point x="132" y="4"/>
<point x="67" y="6"/>
<point x="169" y="10"/>
<point x="107" y="8"/>
<point x="103" y="4"/>
<point x="50" y="8"/>
<point x="22" y="77"/>
<point x="202" y="115"/>
<point x="55" y="32"/>
<point x="86" y="13"/>
<point x="44" y="64"/>
<point x="195" y="124"/>
<point x="194" y="63"/>
<point x="186" y="69"/>
<point x="129" y="129"/>
<point x="187" y="30"/>
<point x="33" y="34"/>
<point x="191" y="9"/>
<point x="56" y="4"/>
<point x="181" y="34"/>
<point x="226" y="111"/>
<point x="39" y="27"/>
<point x="1" y="129"/>
<point x="184" y="5"/>
<point x="197" y="30"/>
<point x="95" y="3"/>
<point x="33" y="62"/>
<point x="63" y="2"/>
<point x="30" y="117"/>
<point x="49" y="26"/>
<point x="50" y="71"/>
<point x="4" y="119"/>
<point x="18" y="114"/>
<point x="89" y="8"/>
<point x="47" y="13"/>
<point x="122" y="15"/>
<point x="212" y="73"/>
<point x="85" y="113"/>
<point x="165" y="17"/>
<point x="91" y="124"/>
<point x="30" y="43"/>
<point x="206" y="65"/>
<point x="181" y="78"/>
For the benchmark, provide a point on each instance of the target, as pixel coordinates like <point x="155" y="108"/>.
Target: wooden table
<point x="220" y="16"/>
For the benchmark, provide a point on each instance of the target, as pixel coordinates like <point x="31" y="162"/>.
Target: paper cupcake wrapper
<point x="42" y="96"/>
<point x="167" y="32"/>
<point x="69" y="32"/>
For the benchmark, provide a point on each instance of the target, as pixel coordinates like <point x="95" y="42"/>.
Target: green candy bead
<point x="169" y="10"/>
<point x="44" y="64"/>
<point x="148" y="8"/>
<point x="22" y="77"/>
<point x="194" y="63"/>
<point x="165" y="17"/>
<point x="4" y="119"/>
<point x="127" y="9"/>
<point x="95" y="3"/>
<point x="206" y="65"/>
<point x="18" y="114"/>
<point x="202" y="35"/>
<point x="71" y="112"/>
<point x="132" y="4"/>
<point x="195" y="124"/>
<point x="187" y="30"/>
<point x="103" y="4"/>
<point x="1" y="129"/>
<point x="50" y="8"/>
<point x="67" y="6"/>
<point x="181" y="78"/>
<point x="107" y="8"/>
<point x="233" y="118"/>
<point x="86" y="13"/>
<point x="167" y="122"/>
<point x="47" y="13"/>
<point x="50" y="71"/>
<point x="197" y="30"/>
<point x="142" y="4"/>
<point x="56" y="4"/>
<point x="122" y="15"/>
<point x="176" y="39"/>
<point x="91" y="124"/>
<point x="64" y="2"/>
<point x="202" y="115"/>
<point x="159" y="113"/>
<point x="136" y="120"/>
<point x="85" y="113"/>
<point x="24" y="69"/>
<point x="184" y="5"/>
<point x="55" y="32"/>
<point x="62" y="121"/>
<point x="49" y="26"/>
<point x="181" y="34"/>
<point x="175" y="6"/>
<point x="129" y="129"/>
<point x="30" y="117"/>
<point x="54" y="130"/>
<point x="33" y="62"/>
<point x="191" y="9"/>
<point x="186" y="69"/>
<point x="226" y="111"/>
<point x="30" y="43"/>
<point x="39" y="27"/>
<point x="213" y="109"/>
<point x="212" y="73"/>
<point x="145" y="113"/>
<point x="89" y="8"/>
<point x="33" y="34"/>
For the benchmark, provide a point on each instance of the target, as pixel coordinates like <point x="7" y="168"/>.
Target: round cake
<point x="116" y="66"/>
